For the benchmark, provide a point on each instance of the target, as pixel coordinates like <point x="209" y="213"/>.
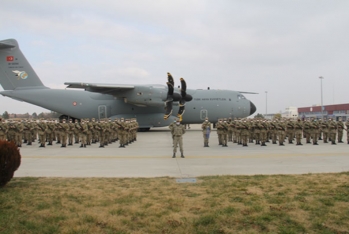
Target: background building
<point x="334" y="111"/>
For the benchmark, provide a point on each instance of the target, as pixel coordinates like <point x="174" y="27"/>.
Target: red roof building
<point x="329" y="111"/>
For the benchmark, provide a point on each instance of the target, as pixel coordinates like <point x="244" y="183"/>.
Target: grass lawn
<point x="311" y="203"/>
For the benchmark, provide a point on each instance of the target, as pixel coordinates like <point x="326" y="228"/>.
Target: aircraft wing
<point x="247" y="92"/>
<point x="100" y="88"/>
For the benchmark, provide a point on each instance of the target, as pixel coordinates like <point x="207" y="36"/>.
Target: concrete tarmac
<point x="151" y="156"/>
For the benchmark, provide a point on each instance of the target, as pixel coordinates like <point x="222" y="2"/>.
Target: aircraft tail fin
<point x="15" y="71"/>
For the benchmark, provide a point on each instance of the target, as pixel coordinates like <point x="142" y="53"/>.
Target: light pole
<point x="266" y="102"/>
<point x="322" y="107"/>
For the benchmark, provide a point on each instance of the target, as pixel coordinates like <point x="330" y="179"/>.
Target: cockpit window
<point x="240" y="96"/>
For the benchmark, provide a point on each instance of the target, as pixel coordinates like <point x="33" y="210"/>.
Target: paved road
<point x="151" y="156"/>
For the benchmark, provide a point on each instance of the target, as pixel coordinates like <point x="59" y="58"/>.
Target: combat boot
<point x="81" y="146"/>
<point x="182" y="156"/>
<point x="174" y="155"/>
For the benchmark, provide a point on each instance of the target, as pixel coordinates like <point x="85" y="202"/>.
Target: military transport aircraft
<point x="150" y="104"/>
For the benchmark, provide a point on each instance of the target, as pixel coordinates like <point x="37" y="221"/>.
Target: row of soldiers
<point x="244" y="131"/>
<point x="68" y="132"/>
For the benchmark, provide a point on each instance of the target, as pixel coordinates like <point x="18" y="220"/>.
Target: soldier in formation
<point x="261" y="130"/>
<point x="66" y="132"/>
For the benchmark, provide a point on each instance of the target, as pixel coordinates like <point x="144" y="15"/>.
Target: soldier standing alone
<point x="177" y="131"/>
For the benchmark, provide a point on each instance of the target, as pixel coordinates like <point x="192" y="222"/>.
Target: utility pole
<point x="266" y="102"/>
<point x="322" y="105"/>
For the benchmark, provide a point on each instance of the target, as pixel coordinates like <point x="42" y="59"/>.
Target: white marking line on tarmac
<point x="190" y="157"/>
<point x="179" y="168"/>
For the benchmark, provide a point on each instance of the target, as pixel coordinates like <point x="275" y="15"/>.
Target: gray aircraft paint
<point x="144" y="102"/>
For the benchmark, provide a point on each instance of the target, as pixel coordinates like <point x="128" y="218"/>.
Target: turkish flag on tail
<point x="9" y="58"/>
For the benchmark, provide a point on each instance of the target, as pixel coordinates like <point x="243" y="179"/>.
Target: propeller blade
<point x="169" y="99"/>
<point x="183" y="98"/>
<point x="183" y="88"/>
<point x="168" y="109"/>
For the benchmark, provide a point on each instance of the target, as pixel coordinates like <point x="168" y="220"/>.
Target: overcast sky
<point x="281" y="47"/>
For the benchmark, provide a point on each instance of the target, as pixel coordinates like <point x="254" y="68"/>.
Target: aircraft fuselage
<point x="78" y="104"/>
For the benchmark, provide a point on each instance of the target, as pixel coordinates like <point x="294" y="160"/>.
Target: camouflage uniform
<point x="71" y="131"/>
<point x="230" y="130"/>
<point x="307" y="130"/>
<point x="19" y="133"/>
<point x="63" y="129"/>
<point x="264" y="132"/>
<point x="340" y="127"/>
<point x="257" y="131"/>
<point x="315" y="131"/>
<point x="244" y="127"/>
<point x="95" y="132"/>
<point x="220" y="132"/>
<point x="76" y="131"/>
<point x="206" y="130"/>
<point x="11" y="131"/>
<point x="100" y="128"/>
<point x="42" y="128"/>
<point x="83" y="133"/>
<point x="332" y="131"/>
<point x="290" y="131"/>
<point x="281" y="127"/>
<point x="26" y="131"/>
<point x="325" y="129"/>
<point x="122" y="133"/>
<point x="273" y="131"/>
<point x="3" y="130"/>
<point x="298" y="126"/>
<point x="177" y="131"/>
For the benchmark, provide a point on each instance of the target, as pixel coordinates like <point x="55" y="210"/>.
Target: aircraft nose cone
<point x="252" y="108"/>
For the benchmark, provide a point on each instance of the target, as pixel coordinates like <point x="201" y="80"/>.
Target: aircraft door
<point x="102" y="112"/>
<point x="203" y="114"/>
